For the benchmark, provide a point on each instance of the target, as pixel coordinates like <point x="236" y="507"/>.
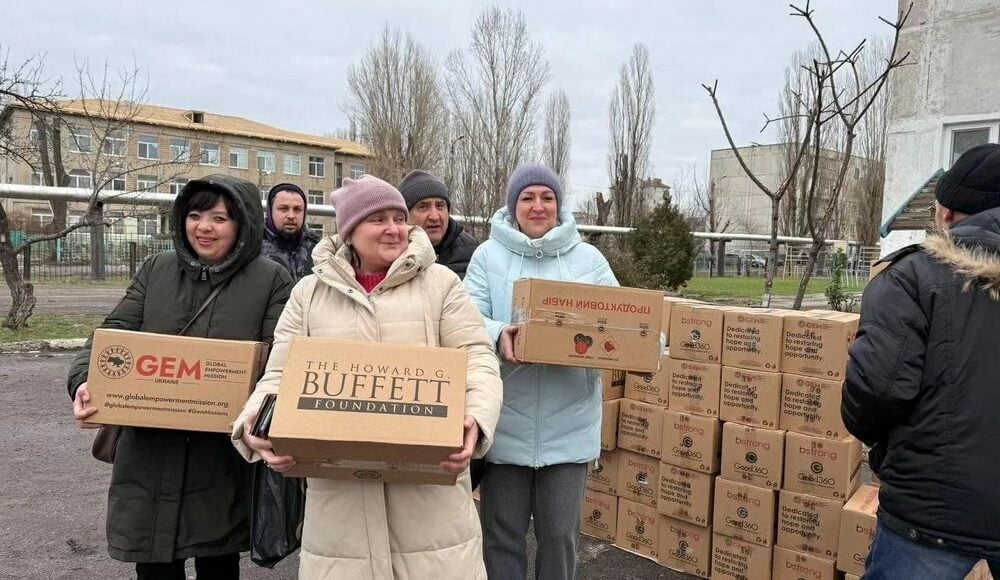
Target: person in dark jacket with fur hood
<point x="923" y="385"/>
<point x="183" y="494"/>
<point x="429" y="203"/>
<point x="287" y="240"/>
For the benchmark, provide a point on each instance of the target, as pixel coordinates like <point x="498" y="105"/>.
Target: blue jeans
<point x="894" y="557"/>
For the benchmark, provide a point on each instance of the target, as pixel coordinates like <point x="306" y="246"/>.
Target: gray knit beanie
<point x="419" y="185"/>
<point x="528" y="175"/>
<point x="359" y="198"/>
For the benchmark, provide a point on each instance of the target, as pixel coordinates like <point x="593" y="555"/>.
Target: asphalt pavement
<point x="53" y="493"/>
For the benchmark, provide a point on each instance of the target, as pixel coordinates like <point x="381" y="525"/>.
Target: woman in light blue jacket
<point x="550" y="425"/>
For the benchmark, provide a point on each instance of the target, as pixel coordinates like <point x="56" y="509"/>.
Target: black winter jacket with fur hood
<point x="923" y="388"/>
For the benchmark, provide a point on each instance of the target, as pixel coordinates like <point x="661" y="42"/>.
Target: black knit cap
<point x="419" y="185"/>
<point x="972" y="184"/>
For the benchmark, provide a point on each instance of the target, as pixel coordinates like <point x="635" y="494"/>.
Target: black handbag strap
<point x="204" y="305"/>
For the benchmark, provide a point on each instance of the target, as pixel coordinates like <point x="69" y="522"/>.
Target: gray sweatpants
<point x="510" y="495"/>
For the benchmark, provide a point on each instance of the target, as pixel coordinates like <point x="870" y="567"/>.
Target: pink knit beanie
<point x="359" y="198"/>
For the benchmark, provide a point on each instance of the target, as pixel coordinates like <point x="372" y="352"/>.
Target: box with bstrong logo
<point x="638" y="529"/>
<point x="140" y="379"/>
<point x="599" y="515"/>
<point x="696" y="332"/>
<point x="815" y="343"/>
<point x="822" y="467"/>
<point x="638" y="478"/>
<point x="752" y="455"/>
<point x="585" y="325"/>
<point x="792" y="565"/>
<point x="745" y="512"/>
<point x="602" y="474"/>
<point x="685" y="547"/>
<point x="691" y="441"/>
<point x="857" y="530"/>
<point x="370" y="411"/>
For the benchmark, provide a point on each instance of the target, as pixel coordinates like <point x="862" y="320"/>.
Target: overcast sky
<point x="284" y="63"/>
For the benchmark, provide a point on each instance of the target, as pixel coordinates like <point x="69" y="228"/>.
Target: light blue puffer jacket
<point x="551" y="414"/>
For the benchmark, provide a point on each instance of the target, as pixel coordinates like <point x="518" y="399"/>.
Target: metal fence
<point x="70" y="259"/>
<point x="751" y="259"/>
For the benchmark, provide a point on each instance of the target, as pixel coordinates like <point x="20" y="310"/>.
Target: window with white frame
<point x="315" y="197"/>
<point x="265" y="161"/>
<point x="37" y="178"/>
<point x="114" y="144"/>
<point x="117" y="184"/>
<point x="357" y="171"/>
<point x="80" y="178"/>
<point x="42" y="217"/>
<point x="180" y="150"/>
<point x="210" y="154"/>
<point x="80" y="140"/>
<point x="239" y="158"/>
<point x="146" y="182"/>
<point x="961" y="138"/>
<point x="177" y="185"/>
<point x="293" y="164"/>
<point x="33" y="136"/>
<point x="317" y="166"/>
<point x="75" y="217"/>
<point x="316" y="227"/>
<point x="149" y="147"/>
<point x="338" y="175"/>
<point x="117" y="219"/>
<point x="147" y="225"/>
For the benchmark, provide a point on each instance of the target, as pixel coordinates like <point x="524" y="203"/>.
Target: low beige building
<point x="159" y="149"/>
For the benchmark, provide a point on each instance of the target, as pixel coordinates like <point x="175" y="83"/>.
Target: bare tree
<point x="872" y="139"/>
<point x="631" y="114"/>
<point x="494" y="89"/>
<point x="396" y="106"/>
<point x="99" y="122"/>
<point x="827" y="103"/>
<point x="704" y="203"/>
<point x="555" y="148"/>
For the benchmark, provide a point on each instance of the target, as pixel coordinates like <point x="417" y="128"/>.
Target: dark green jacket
<point x="179" y="494"/>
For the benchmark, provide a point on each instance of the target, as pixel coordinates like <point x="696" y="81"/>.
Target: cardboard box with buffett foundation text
<point x="753" y="455"/>
<point x="811" y="405"/>
<point x="638" y="478"/>
<point x="822" y="467"/>
<point x="141" y="379"/>
<point x="602" y="474"/>
<point x="638" y="529"/>
<point x="685" y="494"/>
<point x="696" y="332"/>
<point x="695" y="387"/>
<point x="691" y="441"/>
<point x="370" y="411"/>
<point x="751" y="339"/>
<point x="815" y="343"/>
<point x="685" y="547"/>
<point x="792" y="565"/>
<point x="652" y="388"/>
<point x="750" y="397"/>
<point x="640" y="427"/>
<point x="609" y="424"/>
<point x="857" y="530"/>
<point x="809" y="524"/>
<point x="612" y="384"/>
<point x="585" y="325"/>
<point x="744" y="511"/>
<point x="599" y="515"/>
<point x="734" y="559"/>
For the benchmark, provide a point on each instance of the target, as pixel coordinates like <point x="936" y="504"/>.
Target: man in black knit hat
<point x="287" y="241"/>
<point x="923" y="385"/>
<point x="429" y="202"/>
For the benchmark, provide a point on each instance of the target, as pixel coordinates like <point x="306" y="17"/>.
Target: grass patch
<point x="740" y="287"/>
<point x="53" y="326"/>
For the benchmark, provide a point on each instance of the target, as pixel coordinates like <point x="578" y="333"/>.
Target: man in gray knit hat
<point x="429" y="202"/>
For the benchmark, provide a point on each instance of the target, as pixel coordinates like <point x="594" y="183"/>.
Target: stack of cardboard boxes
<point x="732" y="461"/>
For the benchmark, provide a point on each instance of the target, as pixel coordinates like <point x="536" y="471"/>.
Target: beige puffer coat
<point x="370" y="530"/>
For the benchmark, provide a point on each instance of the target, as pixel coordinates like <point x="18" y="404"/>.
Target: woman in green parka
<point x="183" y="494"/>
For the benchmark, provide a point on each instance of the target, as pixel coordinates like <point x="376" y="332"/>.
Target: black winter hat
<point x="972" y="184"/>
<point x="418" y="185"/>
